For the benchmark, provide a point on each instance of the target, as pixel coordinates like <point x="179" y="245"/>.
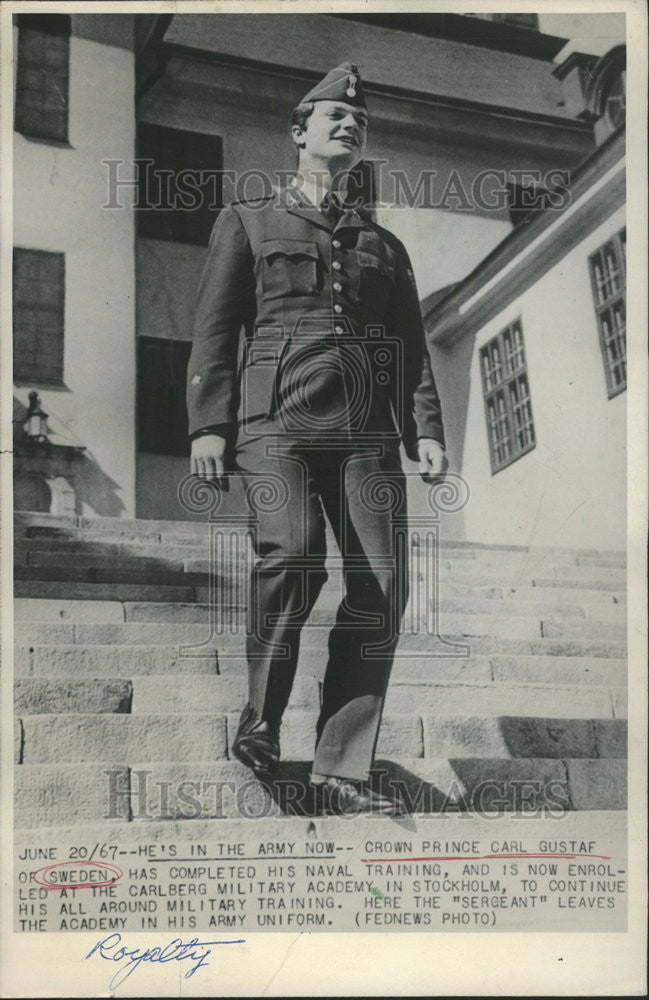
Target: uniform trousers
<point x="292" y="484"/>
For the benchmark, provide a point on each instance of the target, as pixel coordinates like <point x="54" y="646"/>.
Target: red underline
<point x="485" y="857"/>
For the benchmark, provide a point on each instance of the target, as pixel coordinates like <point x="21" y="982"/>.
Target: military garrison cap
<point x="343" y="83"/>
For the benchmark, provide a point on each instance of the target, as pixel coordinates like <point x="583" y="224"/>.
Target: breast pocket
<point x="376" y="279"/>
<point x="288" y="267"/>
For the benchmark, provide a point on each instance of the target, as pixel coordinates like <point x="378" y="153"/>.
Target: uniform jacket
<point x="279" y="269"/>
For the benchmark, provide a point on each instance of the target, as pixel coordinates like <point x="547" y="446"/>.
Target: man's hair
<point x="301" y="114"/>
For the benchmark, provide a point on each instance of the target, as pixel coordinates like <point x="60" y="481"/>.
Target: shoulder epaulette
<point x="385" y="233"/>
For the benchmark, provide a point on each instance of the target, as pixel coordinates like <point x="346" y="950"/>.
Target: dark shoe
<point x="344" y="797"/>
<point x="257" y="743"/>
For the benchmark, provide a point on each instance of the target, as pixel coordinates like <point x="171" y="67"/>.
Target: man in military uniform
<point x="334" y="374"/>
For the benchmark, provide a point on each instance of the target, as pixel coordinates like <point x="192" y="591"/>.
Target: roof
<point x="502" y="36"/>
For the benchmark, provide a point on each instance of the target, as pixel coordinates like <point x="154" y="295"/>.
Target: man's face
<point x="335" y="134"/>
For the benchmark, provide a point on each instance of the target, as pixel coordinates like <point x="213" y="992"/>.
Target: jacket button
<point x="336" y="265"/>
<point x="336" y="244"/>
<point x="337" y="287"/>
<point x="338" y="308"/>
<point x="338" y="330"/>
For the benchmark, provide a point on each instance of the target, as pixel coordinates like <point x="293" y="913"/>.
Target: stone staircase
<point x="122" y="694"/>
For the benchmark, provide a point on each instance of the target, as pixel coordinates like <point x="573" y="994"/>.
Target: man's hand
<point x="207" y="460"/>
<point x="432" y="459"/>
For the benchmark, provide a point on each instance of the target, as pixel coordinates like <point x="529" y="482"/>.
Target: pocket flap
<point x="366" y="259"/>
<point x="289" y="248"/>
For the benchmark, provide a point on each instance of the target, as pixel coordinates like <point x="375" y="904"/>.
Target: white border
<point x="401" y="964"/>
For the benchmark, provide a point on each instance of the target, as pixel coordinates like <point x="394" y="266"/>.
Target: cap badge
<point x="351" y="89"/>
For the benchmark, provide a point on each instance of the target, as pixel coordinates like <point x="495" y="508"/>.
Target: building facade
<point x="534" y="344"/>
<point x="468" y="119"/>
<point x="74" y="262"/>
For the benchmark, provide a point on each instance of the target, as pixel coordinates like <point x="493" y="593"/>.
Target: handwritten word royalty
<point x="176" y="951"/>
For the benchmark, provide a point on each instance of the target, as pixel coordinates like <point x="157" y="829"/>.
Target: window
<point x="181" y="191"/>
<point x="42" y="77"/>
<point x="508" y="407"/>
<point x="161" y="413"/>
<point x="38" y="316"/>
<point x="608" y="275"/>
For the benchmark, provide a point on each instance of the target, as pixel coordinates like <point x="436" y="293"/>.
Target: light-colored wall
<point x="593" y="32"/>
<point x="58" y="198"/>
<point x="571" y="489"/>
<point x="443" y="246"/>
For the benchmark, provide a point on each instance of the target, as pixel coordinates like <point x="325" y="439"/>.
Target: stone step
<point x="26" y="519"/>
<point x="66" y="590"/>
<point x="80" y="573"/>
<point x="492" y="699"/>
<point x="63" y="583"/>
<point x="102" y="562"/>
<point x="495" y="699"/>
<point x="615" y="585"/>
<point x="111" y="661"/>
<point x="610" y="578"/>
<point x="30" y="520"/>
<point x="95" y="737"/>
<point x="162" y="603"/>
<point x="175" y="738"/>
<point x="46" y="610"/>
<point x="195" y="640"/>
<point x="478" y="624"/>
<point x="185" y="735"/>
<point x="454" y="599"/>
<point x="558" y="670"/>
<point x="64" y="695"/>
<point x="48" y="565"/>
<point x="175" y="596"/>
<point x="139" y="532"/>
<point x="555" y="627"/>
<point x="176" y="559"/>
<point x="427" y="542"/>
<point x="164" y="556"/>
<point x="486" y="567"/>
<point x="163" y="694"/>
<point x="111" y="795"/>
<point x="33" y="524"/>
<point x="115" y="661"/>
<point x="612" y="559"/>
<point x="60" y="794"/>
<point x="487" y="556"/>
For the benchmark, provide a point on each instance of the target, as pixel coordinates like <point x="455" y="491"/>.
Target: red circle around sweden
<point x="44" y="881"/>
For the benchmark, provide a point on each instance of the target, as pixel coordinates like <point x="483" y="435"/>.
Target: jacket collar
<point x="297" y="204"/>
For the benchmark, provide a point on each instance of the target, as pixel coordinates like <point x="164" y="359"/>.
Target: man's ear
<point x="298" y="134"/>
